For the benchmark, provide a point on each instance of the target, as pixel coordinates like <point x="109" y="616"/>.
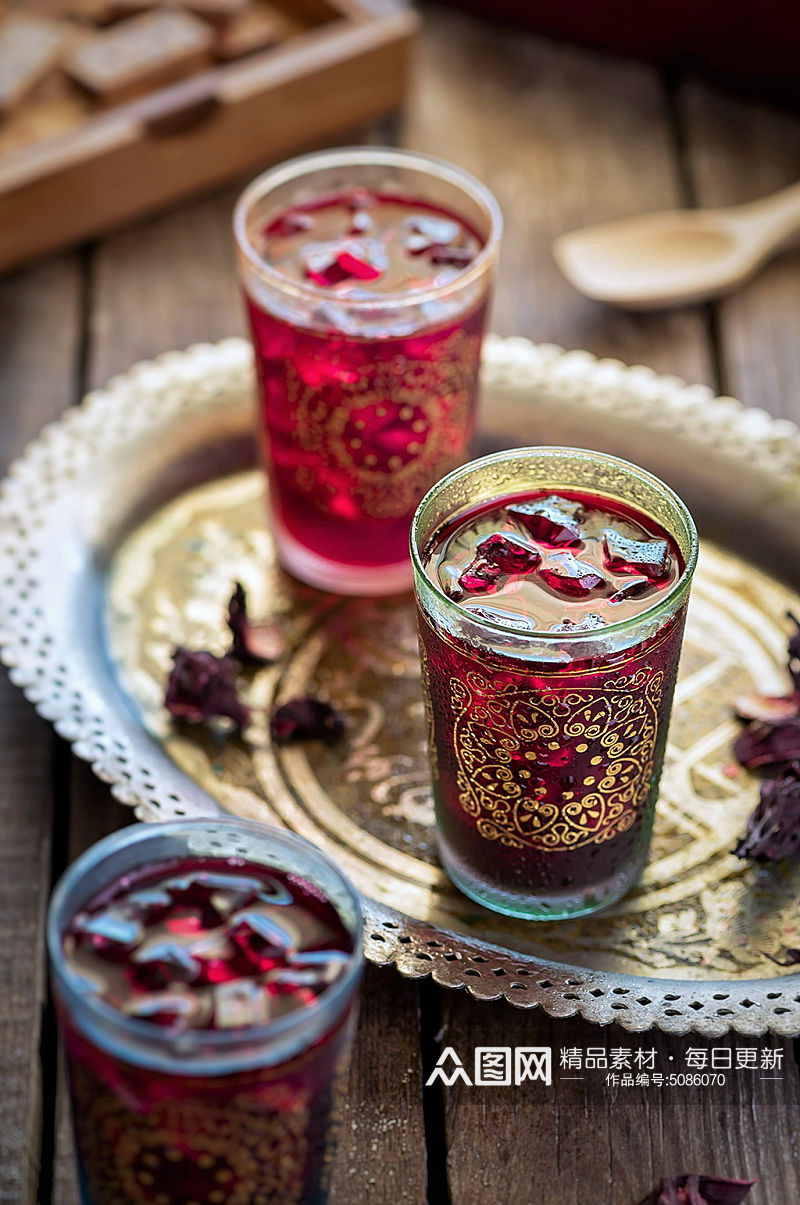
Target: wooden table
<point x="563" y="137"/>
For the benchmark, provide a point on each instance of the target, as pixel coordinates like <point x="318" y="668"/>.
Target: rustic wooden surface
<point x="563" y="137"/>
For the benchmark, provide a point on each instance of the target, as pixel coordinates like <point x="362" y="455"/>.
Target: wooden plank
<point x="580" y="1140"/>
<point x="34" y="388"/>
<point x="37" y="308"/>
<point x="166" y="284"/>
<point x="563" y="138"/>
<point x="737" y="152"/>
<point x="381" y="1157"/>
<point x="25" y="810"/>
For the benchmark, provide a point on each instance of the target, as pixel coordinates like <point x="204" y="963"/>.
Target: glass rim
<point x="214" y="1043"/>
<point x="359" y="156"/>
<point x="680" y="585"/>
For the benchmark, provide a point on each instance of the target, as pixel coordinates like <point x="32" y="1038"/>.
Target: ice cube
<point x="481" y="576"/>
<point x="631" y="589"/>
<point x="328" y="963"/>
<point x="159" y="963"/>
<point x="498" y="554"/>
<point x="240" y="1003"/>
<point x="322" y="265"/>
<point x="509" y="619"/>
<point x="211" y="945"/>
<point x="289" y="979"/>
<point x="315" y="970"/>
<point x="361" y="222"/>
<point x="174" y="1008"/>
<point x="306" y="931"/>
<point x="265" y="927"/>
<point x="553" y="520"/>
<point x="623" y="555"/>
<point x="512" y="554"/>
<point x="436" y="231"/>
<point x="220" y="960"/>
<point x="110" y="933"/>
<point x="260" y="939"/>
<point x="352" y="259"/>
<point x="148" y="904"/>
<point x="587" y="623"/>
<point x="448" y="578"/>
<point x="565" y="574"/>
<point x="415" y="244"/>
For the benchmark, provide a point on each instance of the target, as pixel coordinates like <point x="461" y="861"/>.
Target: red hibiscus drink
<point x="206" y="977"/>
<point x="366" y="274"/>
<point x="552" y="587"/>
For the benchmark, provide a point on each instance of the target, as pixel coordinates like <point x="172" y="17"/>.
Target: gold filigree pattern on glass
<point x="432" y="398"/>
<point x="494" y="722"/>
<point x="245" y="1152"/>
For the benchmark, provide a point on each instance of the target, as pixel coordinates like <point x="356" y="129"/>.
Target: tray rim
<point x="107" y="736"/>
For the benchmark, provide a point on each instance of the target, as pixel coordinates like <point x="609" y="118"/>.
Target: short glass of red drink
<point x="366" y="274"/>
<point x="552" y="586"/>
<point x="206" y="977"/>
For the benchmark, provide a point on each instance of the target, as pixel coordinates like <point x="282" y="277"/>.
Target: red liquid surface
<point x="360" y="418"/>
<point x="554" y="562"/>
<point x="545" y="773"/>
<point x="361" y="244"/>
<point x="206" y="945"/>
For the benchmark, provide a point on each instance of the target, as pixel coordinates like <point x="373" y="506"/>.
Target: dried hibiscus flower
<point x="699" y="1190"/>
<point x="763" y="744"/>
<point x="306" y="719"/>
<point x="773" y="830"/>
<point x="202" y="687"/>
<point x="254" y="644"/>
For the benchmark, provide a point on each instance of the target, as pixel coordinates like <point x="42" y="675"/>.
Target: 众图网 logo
<point x="495" y="1066"/>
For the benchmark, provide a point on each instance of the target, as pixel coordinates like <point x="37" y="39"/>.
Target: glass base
<point x="339" y="578"/>
<point x="566" y="905"/>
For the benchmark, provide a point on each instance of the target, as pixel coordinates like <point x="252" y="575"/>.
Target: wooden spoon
<point x="664" y="259"/>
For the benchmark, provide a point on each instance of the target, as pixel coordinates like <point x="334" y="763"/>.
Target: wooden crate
<point x="347" y="66"/>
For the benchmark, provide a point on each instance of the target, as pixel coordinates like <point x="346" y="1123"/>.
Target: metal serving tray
<point x="124" y="525"/>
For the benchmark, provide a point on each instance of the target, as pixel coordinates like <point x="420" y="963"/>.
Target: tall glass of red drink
<point x="552" y="586"/>
<point x="206" y="978"/>
<point x="366" y="274"/>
